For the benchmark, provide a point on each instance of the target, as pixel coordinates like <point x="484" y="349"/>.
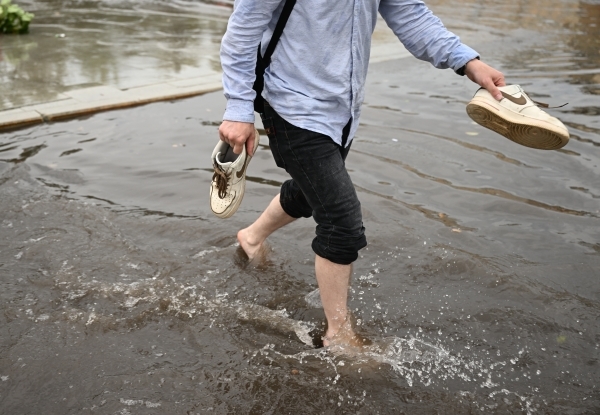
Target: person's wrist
<point x="236" y="121"/>
<point x="462" y="70"/>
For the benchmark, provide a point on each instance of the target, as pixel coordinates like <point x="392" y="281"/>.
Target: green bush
<point x="13" y="19"/>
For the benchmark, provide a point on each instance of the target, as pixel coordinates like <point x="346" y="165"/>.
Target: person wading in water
<point x="312" y="96"/>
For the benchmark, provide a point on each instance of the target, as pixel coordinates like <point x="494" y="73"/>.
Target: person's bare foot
<point x="345" y="339"/>
<point x="256" y="251"/>
<point x="250" y="247"/>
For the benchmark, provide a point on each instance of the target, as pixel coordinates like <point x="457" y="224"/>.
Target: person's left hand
<point x="486" y="76"/>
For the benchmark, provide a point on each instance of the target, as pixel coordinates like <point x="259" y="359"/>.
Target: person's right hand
<point x="236" y="134"/>
<point x="486" y="76"/>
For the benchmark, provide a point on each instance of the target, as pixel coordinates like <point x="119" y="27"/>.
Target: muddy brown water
<point x="122" y="294"/>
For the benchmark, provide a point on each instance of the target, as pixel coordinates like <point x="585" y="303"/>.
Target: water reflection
<point x="585" y="41"/>
<point x="571" y="28"/>
<point x="76" y="44"/>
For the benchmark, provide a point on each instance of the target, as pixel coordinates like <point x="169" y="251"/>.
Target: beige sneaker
<point x="229" y="179"/>
<point x="518" y="118"/>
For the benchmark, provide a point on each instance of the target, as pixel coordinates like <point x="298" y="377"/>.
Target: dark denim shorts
<point x="320" y="187"/>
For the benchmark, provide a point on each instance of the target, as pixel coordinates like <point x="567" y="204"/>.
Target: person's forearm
<point x="424" y="34"/>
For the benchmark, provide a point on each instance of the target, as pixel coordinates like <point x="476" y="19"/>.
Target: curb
<point x="103" y="98"/>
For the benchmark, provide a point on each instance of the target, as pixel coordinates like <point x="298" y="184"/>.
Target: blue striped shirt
<point x="317" y="73"/>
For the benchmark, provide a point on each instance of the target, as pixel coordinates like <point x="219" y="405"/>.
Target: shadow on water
<point x="121" y="293"/>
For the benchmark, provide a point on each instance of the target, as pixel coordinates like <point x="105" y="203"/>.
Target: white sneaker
<point x="518" y="118"/>
<point x="229" y="179"/>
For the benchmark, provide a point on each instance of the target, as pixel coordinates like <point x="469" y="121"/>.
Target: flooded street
<point x="121" y="293"/>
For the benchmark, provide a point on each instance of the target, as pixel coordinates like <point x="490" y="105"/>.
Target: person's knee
<point x="339" y="245"/>
<point x="293" y="201"/>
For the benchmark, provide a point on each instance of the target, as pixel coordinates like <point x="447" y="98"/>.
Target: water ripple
<point x="483" y="190"/>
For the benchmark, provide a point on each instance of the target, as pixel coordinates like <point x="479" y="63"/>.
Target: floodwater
<point x="122" y="294"/>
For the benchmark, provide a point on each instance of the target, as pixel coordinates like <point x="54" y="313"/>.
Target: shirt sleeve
<point x="245" y="28"/>
<point x="424" y="35"/>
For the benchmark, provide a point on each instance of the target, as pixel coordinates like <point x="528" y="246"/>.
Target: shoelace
<point x="221" y="179"/>
<point x="543" y="105"/>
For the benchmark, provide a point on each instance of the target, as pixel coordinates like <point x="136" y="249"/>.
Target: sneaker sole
<point x="227" y="213"/>
<point x="517" y="128"/>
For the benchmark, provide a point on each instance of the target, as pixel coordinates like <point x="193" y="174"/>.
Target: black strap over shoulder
<point x="262" y="62"/>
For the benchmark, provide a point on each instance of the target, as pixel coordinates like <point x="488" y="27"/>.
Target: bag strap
<point x="263" y="61"/>
<point x="283" y="18"/>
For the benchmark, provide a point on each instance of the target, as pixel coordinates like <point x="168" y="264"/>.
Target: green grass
<point x="13" y="19"/>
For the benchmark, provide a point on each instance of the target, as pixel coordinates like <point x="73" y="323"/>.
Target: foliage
<point x="13" y="19"/>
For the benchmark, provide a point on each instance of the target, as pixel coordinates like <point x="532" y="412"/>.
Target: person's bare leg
<point x="251" y="239"/>
<point x="334" y="280"/>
